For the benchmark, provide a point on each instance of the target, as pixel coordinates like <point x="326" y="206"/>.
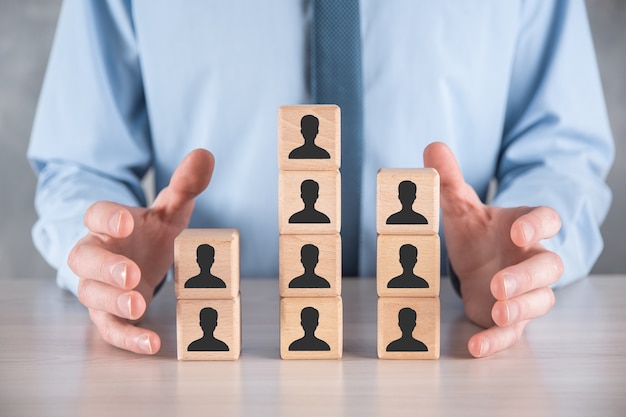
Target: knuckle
<point x="107" y="331"/>
<point x="75" y="256"/>
<point x="550" y="298"/>
<point x="103" y="269"/>
<point x="554" y="265"/>
<point x="89" y="213"/>
<point x="83" y="291"/>
<point x="555" y="217"/>
<point x="559" y="267"/>
<point x="129" y="343"/>
<point x="526" y="280"/>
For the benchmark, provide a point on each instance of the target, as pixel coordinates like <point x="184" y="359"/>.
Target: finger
<point x="456" y="195"/>
<point x="540" y="270"/>
<point x="98" y="296"/>
<point x="124" y="335"/>
<point x="111" y="219"/>
<point x="539" y="223"/>
<point x="533" y="304"/>
<point x="190" y="178"/>
<point x="94" y="262"/>
<point x="495" y="339"/>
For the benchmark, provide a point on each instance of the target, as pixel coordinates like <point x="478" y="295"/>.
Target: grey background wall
<point x="26" y="33"/>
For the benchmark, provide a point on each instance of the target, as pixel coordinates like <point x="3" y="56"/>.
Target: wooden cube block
<point x="309" y="202"/>
<point x="309" y="138"/>
<point x="311" y="328"/>
<point x="407" y="201"/>
<point x="408" y="328"/>
<point x="206" y="264"/>
<point x="208" y="329"/>
<point x="309" y="265"/>
<point x="408" y="266"/>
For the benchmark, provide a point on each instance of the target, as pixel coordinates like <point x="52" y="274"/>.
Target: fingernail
<point x="484" y="347"/>
<point x="528" y="231"/>
<point x="118" y="271"/>
<point x="510" y="285"/>
<point x="512" y="313"/>
<point x="114" y="223"/>
<point x="124" y="304"/>
<point x="144" y="343"/>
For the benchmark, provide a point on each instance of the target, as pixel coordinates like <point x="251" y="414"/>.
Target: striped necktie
<point x="336" y="79"/>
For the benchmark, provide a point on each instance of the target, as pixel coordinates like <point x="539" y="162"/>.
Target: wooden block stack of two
<point x="206" y="280"/>
<point x="309" y="211"/>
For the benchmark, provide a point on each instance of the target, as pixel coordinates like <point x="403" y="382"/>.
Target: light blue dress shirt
<point x="511" y="86"/>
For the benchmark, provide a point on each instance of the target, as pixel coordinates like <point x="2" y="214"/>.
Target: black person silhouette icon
<point x="408" y="260"/>
<point x="309" y="319"/>
<point x="208" y="342"/>
<point x="407" y="319"/>
<point x="309" y="256"/>
<point x="309" y="192"/>
<point x="407" y="194"/>
<point x="309" y="127"/>
<point x="205" y="256"/>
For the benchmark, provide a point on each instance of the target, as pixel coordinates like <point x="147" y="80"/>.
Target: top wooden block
<point x="407" y="201"/>
<point x="309" y="138"/>
<point x="206" y="264"/>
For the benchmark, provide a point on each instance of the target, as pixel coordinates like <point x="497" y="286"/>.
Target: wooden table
<point x="53" y="362"/>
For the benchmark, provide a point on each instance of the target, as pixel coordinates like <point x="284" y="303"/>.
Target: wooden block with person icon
<point x="206" y="264"/>
<point x="309" y="202"/>
<point x="408" y="328"/>
<point x="311" y="328"/>
<point x="407" y="201"/>
<point x="408" y="266"/>
<point x="309" y="265"/>
<point x="309" y="137"/>
<point x="208" y="329"/>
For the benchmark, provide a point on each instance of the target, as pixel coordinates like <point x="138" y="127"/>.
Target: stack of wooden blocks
<point x="309" y="221"/>
<point x="206" y="279"/>
<point x="408" y="259"/>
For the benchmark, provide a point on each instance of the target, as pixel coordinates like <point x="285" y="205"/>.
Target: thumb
<point x="456" y="195"/>
<point x="190" y="178"/>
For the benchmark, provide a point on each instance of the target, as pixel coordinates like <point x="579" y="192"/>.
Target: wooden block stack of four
<point x="309" y="221"/>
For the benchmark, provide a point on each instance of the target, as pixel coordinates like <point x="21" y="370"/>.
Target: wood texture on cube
<point x="324" y="341"/>
<point x="194" y="343"/>
<point x="395" y="253"/>
<point x="421" y="330"/>
<point x="323" y="212"/>
<point x="219" y="275"/>
<point x="322" y="276"/>
<point x="420" y="215"/>
<point x="291" y="140"/>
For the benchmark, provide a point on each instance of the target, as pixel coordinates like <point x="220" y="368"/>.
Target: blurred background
<point x="26" y="34"/>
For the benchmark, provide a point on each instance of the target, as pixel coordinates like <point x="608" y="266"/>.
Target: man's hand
<point x="504" y="270"/>
<point x="128" y="251"/>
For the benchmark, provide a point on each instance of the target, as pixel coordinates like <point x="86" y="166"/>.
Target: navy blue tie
<point x="336" y="79"/>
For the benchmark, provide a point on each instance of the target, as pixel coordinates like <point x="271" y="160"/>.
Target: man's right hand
<point x="128" y="251"/>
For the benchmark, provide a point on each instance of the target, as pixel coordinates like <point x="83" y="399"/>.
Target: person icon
<point x="309" y="127"/>
<point x="408" y="260"/>
<point x="407" y="319"/>
<point x="205" y="257"/>
<point x="208" y="342"/>
<point x="309" y="192"/>
<point x="407" y="195"/>
<point x="309" y="319"/>
<point x="309" y="256"/>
